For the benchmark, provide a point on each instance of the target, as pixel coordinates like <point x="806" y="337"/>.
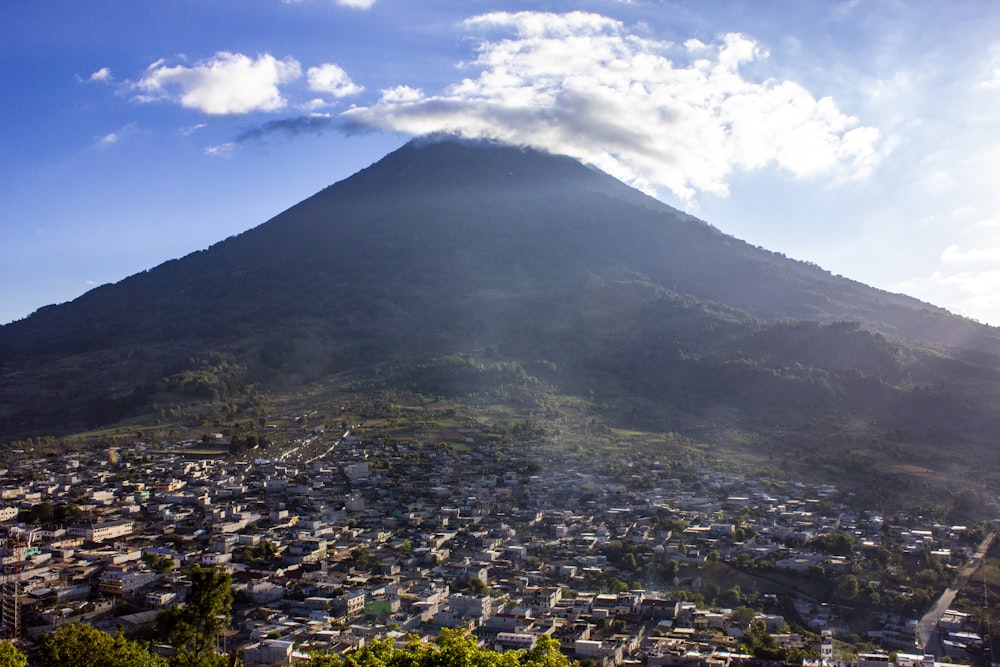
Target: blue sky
<point x="862" y="135"/>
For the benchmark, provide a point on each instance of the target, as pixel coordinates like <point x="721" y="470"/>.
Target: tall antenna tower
<point x="988" y="630"/>
<point x="12" y="550"/>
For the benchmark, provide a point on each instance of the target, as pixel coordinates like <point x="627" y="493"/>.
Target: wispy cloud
<point x="680" y="117"/>
<point x="288" y="126"/>
<point x="314" y="124"/>
<point x="221" y="150"/>
<point x="112" y="138"/>
<point x="191" y="129"/>
<point x="227" y="83"/>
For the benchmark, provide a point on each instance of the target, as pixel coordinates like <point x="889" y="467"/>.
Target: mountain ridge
<point x="526" y="182"/>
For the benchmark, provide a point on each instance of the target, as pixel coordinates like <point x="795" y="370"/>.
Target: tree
<point x="325" y="660"/>
<point x="362" y="559"/>
<point x="264" y="550"/>
<point x="615" y="585"/>
<point x="194" y="628"/>
<point x="545" y="654"/>
<point x="731" y="598"/>
<point x="848" y="587"/>
<point x="81" y="645"/>
<point x="478" y="586"/>
<point x="40" y="514"/>
<point x="760" y="643"/>
<point x="743" y="615"/>
<point x="65" y="513"/>
<point x="158" y="563"/>
<point x="10" y="656"/>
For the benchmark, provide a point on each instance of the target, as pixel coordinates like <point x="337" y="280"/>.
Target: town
<point x="339" y="536"/>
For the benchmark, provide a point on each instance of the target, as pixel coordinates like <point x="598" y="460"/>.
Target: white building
<point x="506" y="641"/>
<point x="101" y="532"/>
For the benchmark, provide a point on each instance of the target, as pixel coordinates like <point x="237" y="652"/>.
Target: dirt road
<point x="926" y="638"/>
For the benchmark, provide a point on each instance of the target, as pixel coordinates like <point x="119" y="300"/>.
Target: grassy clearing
<point x="908" y="469"/>
<point x="625" y="433"/>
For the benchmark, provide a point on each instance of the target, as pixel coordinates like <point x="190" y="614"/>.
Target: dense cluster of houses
<point x="338" y="541"/>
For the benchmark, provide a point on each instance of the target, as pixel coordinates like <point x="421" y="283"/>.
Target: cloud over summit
<point x="660" y="115"/>
<point x="663" y="116"/>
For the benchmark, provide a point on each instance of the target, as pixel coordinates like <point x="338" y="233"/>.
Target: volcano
<point x="454" y="267"/>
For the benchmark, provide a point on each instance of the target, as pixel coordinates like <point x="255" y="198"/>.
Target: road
<point x="926" y="638"/>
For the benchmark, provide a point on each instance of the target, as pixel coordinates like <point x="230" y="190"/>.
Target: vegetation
<point x="10" y="656"/>
<point x="450" y="648"/>
<point x="46" y="514"/>
<point x="759" y="643"/>
<point x="158" y="563"/>
<point x="81" y="645"/>
<point x="192" y="631"/>
<point x="194" y="628"/>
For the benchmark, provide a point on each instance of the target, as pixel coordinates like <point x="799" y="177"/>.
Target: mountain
<point x="456" y="267"/>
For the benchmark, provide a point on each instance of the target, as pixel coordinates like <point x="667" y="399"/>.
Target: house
<point x="269" y="652"/>
<point x="121" y="580"/>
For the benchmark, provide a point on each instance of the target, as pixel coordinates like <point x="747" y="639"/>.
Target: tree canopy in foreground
<point x="81" y="645"/>
<point x="450" y="649"/>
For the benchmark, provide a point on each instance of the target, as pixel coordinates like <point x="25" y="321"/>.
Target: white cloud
<point x="993" y="223"/>
<point x="953" y="253"/>
<point x="102" y="75"/>
<point x="989" y="74"/>
<point x="402" y="95"/>
<point x="107" y="139"/>
<point x="964" y="274"/>
<point x="314" y="105"/>
<point x="354" y="4"/>
<point x="331" y="79"/>
<point x="584" y="85"/>
<point x="993" y="81"/>
<point x="228" y="83"/>
<point x="971" y="293"/>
